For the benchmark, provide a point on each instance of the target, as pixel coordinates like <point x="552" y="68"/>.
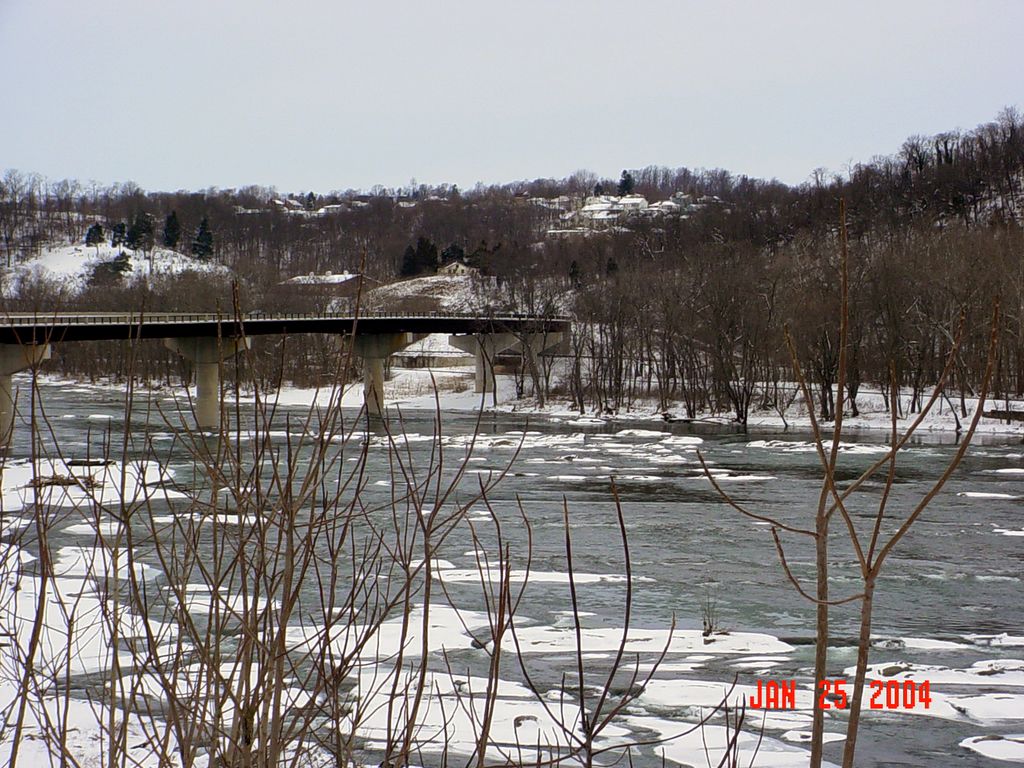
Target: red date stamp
<point x="835" y="694"/>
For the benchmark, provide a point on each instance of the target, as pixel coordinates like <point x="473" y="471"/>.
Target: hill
<point x="73" y="267"/>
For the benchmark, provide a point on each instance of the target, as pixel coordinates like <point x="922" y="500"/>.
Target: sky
<point x="328" y="95"/>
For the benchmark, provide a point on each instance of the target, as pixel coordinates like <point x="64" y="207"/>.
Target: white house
<point x="457" y="268"/>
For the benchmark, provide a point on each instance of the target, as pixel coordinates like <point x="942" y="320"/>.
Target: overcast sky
<point x="323" y="95"/>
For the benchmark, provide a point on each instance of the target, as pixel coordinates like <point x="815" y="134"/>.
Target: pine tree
<point x="626" y="184"/>
<point x="141" y="236"/>
<point x="408" y="262"/>
<point x="111" y="272"/>
<point x="172" y="230"/>
<point x="453" y="253"/>
<point x="94" y="236"/>
<point x="202" y="243"/>
<point x="575" y="275"/>
<point x="421" y="259"/>
<point x="426" y="256"/>
<point x="118" y="234"/>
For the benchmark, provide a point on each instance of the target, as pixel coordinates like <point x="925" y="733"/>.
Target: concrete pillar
<point x="207" y="354"/>
<point x="15" y="358"/>
<point x="375" y="349"/>
<point x="485" y="348"/>
<point x="373" y="385"/>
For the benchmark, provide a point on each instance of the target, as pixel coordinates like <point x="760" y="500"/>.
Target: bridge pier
<point x="15" y="358"/>
<point x="207" y="355"/>
<point x="375" y="349"/>
<point x="484" y="347"/>
<point x="207" y="339"/>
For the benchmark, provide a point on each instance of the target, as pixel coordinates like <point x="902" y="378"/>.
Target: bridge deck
<point x="45" y="328"/>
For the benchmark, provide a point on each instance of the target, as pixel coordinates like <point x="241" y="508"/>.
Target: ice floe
<point x="994" y="672"/>
<point x="915" y="643"/>
<point x="448" y="629"/>
<point x="473" y="576"/>
<point x="804" y="737"/>
<point x="986" y="495"/>
<point x="99" y="563"/>
<point x="639" y="433"/>
<point x="75" y="629"/>
<point x="82" y="727"/>
<point x="60" y="483"/>
<point x="688" y="744"/>
<point x="806" y="446"/>
<point x="1009" y="748"/>
<point x="1001" y="640"/>
<point x="540" y="639"/>
<point x="683" y="440"/>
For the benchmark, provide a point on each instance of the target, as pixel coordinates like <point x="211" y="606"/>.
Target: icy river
<point x="949" y="607"/>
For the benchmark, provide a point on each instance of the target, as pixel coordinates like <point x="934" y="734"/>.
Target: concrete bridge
<point x="208" y="339"/>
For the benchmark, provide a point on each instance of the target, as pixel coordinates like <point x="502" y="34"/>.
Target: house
<point x="433" y="351"/>
<point x="631" y="203"/>
<point x="315" y="292"/>
<point x="457" y="268"/>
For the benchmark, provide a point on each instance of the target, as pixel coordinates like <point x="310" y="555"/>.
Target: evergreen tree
<point x="408" y="262"/>
<point x="118" y="234"/>
<point x="202" y="243"/>
<point x="626" y="184"/>
<point x="172" y="230"/>
<point x="141" y="236"/>
<point x="426" y="256"/>
<point x="598" y="189"/>
<point x="94" y="236"/>
<point x="422" y="259"/>
<point x="575" y="274"/>
<point x="111" y="272"/>
<point x="453" y="253"/>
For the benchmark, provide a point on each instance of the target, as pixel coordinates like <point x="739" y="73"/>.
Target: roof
<point x="327" y="278"/>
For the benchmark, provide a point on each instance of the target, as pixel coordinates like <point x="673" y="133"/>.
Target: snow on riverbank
<point x="451" y="389"/>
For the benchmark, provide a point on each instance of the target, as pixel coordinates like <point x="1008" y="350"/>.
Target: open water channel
<point x="950" y="598"/>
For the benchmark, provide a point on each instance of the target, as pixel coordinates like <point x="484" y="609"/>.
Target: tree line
<point x="691" y="309"/>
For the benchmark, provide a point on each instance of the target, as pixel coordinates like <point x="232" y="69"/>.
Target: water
<point x="953" y="575"/>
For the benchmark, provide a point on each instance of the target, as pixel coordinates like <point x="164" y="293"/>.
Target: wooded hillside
<point x="684" y="300"/>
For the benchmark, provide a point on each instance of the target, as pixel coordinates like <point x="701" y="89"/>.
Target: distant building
<point x="630" y="203"/>
<point x="314" y="292"/>
<point x="433" y="351"/>
<point x="457" y="268"/>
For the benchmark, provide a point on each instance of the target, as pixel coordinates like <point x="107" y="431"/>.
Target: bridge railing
<point x="121" y="318"/>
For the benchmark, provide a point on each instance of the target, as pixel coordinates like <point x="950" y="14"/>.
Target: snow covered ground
<point x="72" y="265"/>
<point x="414" y="389"/>
<point x="455" y="293"/>
<point x="452" y="389"/>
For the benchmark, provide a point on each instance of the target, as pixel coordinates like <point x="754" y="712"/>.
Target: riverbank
<point x="451" y="389"/>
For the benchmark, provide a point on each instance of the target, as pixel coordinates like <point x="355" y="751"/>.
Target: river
<point x="949" y="597"/>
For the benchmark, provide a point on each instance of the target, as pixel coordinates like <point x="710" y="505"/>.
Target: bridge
<point x="207" y="339"/>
